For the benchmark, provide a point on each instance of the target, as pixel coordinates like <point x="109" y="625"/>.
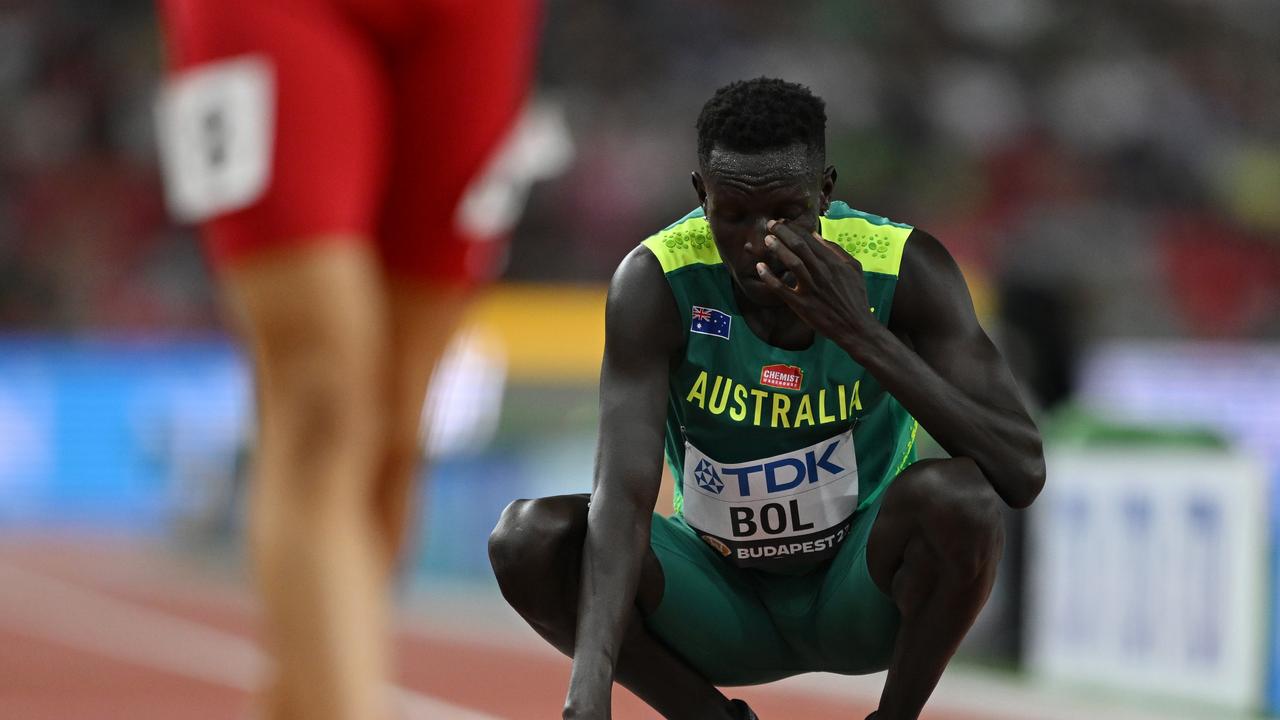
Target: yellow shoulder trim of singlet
<point x="877" y="246"/>
<point x="685" y="243"/>
<point x="877" y="243"/>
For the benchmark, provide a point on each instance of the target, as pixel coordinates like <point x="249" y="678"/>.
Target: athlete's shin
<point x="946" y="529"/>
<point x="536" y="552"/>
<point x="323" y="589"/>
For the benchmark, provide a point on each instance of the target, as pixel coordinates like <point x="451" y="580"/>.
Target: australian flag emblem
<point x="709" y="321"/>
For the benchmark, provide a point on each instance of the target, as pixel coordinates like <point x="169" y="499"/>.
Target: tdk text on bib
<point x="793" y="506"/>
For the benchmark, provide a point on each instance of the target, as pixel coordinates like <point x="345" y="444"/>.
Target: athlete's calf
<point x="536" y="553"/>
<point x="934" y="549"/>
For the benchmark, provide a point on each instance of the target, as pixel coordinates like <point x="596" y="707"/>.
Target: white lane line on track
<point x="36" y="605"/>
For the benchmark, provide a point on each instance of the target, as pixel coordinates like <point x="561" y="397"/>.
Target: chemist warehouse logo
<point x="787" y="377"/>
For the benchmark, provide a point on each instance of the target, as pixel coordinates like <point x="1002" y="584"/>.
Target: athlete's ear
<point x="828" y="185"/>
<point x="700" y="188"/>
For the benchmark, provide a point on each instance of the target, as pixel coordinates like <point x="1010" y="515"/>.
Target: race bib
<point x="778" y="510"/>
<point x="216" y="126"/>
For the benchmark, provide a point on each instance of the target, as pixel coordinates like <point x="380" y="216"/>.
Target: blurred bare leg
<point x="314" y="320"/>
<point x="423" y="321"/>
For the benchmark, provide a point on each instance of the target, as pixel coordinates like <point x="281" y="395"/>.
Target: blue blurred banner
<point x="1231" y="387"/>
<point x="1148" y="572"/>
<point x="116" y="432"/>
<point x="155" y="436"/>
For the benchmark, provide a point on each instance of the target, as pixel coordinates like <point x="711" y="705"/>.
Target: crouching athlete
<point x="781" y="348"/>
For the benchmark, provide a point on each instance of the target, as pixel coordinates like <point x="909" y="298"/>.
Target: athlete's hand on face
<point x="829" y="293"/>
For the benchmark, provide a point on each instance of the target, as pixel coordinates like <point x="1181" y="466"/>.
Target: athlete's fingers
<point x="813" y="242"/>
<point x="774" y="283"/>
<point x="792" y="237"/>
<point x="794" y="240"/>
<point x="774" y="248"/>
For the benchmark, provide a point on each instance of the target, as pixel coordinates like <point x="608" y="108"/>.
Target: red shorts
<point x="284" y="121"/>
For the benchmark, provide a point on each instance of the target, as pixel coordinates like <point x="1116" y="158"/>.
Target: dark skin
<point x="934" y="545"/>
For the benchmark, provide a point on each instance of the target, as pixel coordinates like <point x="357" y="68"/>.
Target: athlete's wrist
<point x="866" y="341"/>
<point x="590" y="687"/>
<point x="595" y="707"/>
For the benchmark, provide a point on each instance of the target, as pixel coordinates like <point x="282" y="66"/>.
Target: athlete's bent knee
<point x="505" y="546"/>
<point x="962" y="511"/>
<point x="527" y="541"/>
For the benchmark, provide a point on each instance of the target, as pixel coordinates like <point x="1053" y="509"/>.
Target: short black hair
<point x="763" y="114"/>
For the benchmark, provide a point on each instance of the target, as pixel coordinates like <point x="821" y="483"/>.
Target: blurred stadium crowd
<point x="1109" y="167"/>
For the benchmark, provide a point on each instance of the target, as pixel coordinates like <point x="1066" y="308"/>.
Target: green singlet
<point x="781" y="458"/>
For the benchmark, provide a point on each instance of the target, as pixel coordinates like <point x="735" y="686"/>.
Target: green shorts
<point x="740" y="626"/>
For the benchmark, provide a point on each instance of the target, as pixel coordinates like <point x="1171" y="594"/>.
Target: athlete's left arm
<point x="947" y="373"/>
<point x="952" y="378"/>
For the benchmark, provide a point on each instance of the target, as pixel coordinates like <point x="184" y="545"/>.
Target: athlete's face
<point x="742" y="192"/>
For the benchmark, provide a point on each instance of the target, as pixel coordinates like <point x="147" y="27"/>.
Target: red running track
<point x="98" y="629"/>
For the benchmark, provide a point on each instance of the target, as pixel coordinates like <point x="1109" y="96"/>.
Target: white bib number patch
<point x="216" y="125"/>
<point x="793" y="506"/>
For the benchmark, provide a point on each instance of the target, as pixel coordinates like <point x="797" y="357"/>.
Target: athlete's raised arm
<point x="934" y="356"/>
<point x="642" y="333"/>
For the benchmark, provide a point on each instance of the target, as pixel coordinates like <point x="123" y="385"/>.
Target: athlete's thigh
<point x="272" y="124"/>
<point x="855" y="623"/>
<point x="710" y="614"/>
<point x="314" y="325"/>
<point x="458" y="89"/>
<point x="917" y="504"/>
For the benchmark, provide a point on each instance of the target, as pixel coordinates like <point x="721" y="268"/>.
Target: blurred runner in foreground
<point x="780" y="346"/>
<point x="332" y="150"/>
